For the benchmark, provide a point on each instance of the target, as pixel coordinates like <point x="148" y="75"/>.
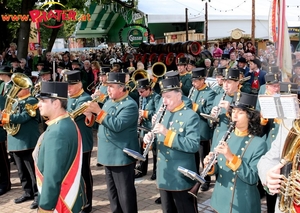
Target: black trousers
<point x="271" y="202"/>
<point x="25" y="165"/>
<point x="121" y="189"/>
<point x="88" y="179"/>
<point x="178" y="202"/>
<point x="4" y="168"/>
<point x="142" y="166"/>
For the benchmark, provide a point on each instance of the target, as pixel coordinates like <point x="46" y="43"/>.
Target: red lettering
<point x="64" y="16"/>
<point x="34" y="15"/>
<point x="5" y="17"/>
<point x="24" y="17"/>
<point x="52" y="15"/>
<point x="72" y="15"/>
<point x="14" y="17"/>
<point x="58" y="13"/>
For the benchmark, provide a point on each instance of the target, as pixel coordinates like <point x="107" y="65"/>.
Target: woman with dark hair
<point x="217" y="53"/>
<point x="235" y="190"/>
<point x="250" y="48"/>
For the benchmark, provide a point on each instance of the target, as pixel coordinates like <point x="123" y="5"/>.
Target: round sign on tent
<point x="135" y="38"/>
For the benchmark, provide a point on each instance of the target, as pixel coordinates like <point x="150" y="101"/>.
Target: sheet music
<point x="279" y="106"/>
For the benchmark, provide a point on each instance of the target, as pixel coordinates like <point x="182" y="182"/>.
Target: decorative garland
<point x="131" y="25"/>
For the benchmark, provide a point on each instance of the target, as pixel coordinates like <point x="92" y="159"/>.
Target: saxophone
<point x="289" y="194"/>
<point x="20" y="81"/>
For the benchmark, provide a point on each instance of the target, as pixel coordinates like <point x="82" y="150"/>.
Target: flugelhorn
<point x="215" y="119"/>
<point x="137" y="155"/>
<point x="200" y="178"/>
<point x="92" y="86"/>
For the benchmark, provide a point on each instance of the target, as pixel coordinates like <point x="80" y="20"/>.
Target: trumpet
<point x="200" y="178"/>
<point x="137" y="155"/>
<point x="37" y="89"/>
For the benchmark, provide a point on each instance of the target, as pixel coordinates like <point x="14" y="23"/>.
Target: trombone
<point x="93" y="86"/>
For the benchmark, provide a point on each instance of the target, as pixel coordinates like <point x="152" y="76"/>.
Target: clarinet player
<point x="235" y="167"/>
<point x="177" y="142"/>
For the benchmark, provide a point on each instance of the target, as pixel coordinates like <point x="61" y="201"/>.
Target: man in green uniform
<point x="219" y="74"/>
<point x="76" y="98"/>
<point x="58" y="154"/>
<point x="202" y="97"/>
<point x="148" y="105"/>
<point x="178" y="139"/>
<point x="185" y="76"/>
<point x="117" y="130"/>
<point x="101" y="89"/>
<point x="5" y="85"/>
<point x="22" y="141"/>
<point x="222" y="102"/>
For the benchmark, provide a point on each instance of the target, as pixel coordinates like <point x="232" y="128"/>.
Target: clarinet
<point x="191" y="92"/>
<point x="215" y="154"/>
<point x="158" y="120"/>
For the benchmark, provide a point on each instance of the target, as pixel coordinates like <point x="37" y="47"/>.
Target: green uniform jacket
<point x="186" y="81"/>
<point x="118" y="130"/>
<point x="56" y="155"/>
<point x="203" y="103"/>
<point x="187" y="102"/>
<point x="86" y="132"/>
<point x="236" y="191"/>
<point x="150" y="109"/>
<point x="177" y="148"/>
<point x="223" y="119"/>
<point x="29" y="132"/>
<point x="262" y="90"/>
<point x="218" y="89"/>
<point x="246" y="87"/>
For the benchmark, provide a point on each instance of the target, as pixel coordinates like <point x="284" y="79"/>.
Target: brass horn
<point x="137" y="75"/>
<point x="159" y="69"/>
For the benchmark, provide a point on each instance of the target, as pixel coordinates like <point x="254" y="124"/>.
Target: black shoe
<point x="158" y="201"/>
<point x="153" y="176"/>
<point x="22" y="199"/>
<point x="99" y="165"/>
<point x="204" y="187"/>
<point x="34" y="204"/>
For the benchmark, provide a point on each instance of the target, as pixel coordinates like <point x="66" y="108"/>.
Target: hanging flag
<point x="278" y="33"/>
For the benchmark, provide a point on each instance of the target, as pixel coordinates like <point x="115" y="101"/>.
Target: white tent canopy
<point x="223" y="16"/>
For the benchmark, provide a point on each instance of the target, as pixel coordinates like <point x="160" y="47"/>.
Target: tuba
<point x="20" y="81"/>
<point x="159" y="69"/>
<point x="289" y="193"/>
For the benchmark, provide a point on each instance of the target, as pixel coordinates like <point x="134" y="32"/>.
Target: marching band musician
<point x="269" y="165"/>
<point x="77" y="97"/>
<point x="245" y="86"/>
<point x="58" y="154"/>
<point x="177" y="142"/>
<point x="230" y="85"/>
<point x="190" y="65"/>
<point x="131" y="86"/>
<point x="5" y="85"/>
<point x="83" y="74"/>
<point x="22" y="142"/>
<point x="235" y="189"/>
<point x="219" y="74"/>
<point x="117" y="130"/>
<point x="148" y="105"/>
<point x="202" y="97"/>
<point x="101" y="89"/>
<point x="185" y="77"/>
<point x="185" y="99"/>
<point x="224" y="62"/>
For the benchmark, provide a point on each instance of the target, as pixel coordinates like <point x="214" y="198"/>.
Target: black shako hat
<point x="6" y="71"/>
<point x="198" y="73"/>
<point x="242" y="60"/>
<point x="169" y="84"/>
<point x="221" y="71"/>
<point x="286" y="87"/>
<point x="104" y="71"/>
<point x="231" y="74"/>
<point x="172" y="74"/>
<point x="271" y="78"/>
<point x="225" y="56"/>
<point x="182" y="61"/>
<point x="244" y="100"/>
<point x="116" y="78"/>
<point x="44" y="72"/>
<point x="50" y="89"/>
<point x="72" y="77"/>
<point x="274" y="69"/>
<point x="143" y="83"/>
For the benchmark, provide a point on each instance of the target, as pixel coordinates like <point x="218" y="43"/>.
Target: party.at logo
<point x="43" y="16"/>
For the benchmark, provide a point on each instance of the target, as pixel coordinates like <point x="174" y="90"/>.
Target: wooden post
<point x="253" y="23"/>
<point x="206" y="26"/>
<point x="186" y="25"/>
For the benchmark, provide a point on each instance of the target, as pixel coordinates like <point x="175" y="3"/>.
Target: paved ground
<point x="146" y="190"/>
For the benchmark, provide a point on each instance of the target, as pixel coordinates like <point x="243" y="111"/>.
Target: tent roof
<point x="162" y="11"/>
